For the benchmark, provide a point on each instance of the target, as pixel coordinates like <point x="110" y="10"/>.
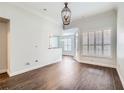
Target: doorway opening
<point x="4" y="45"/>
<point x="69" y="42"/>
<point x="68" y="46"/>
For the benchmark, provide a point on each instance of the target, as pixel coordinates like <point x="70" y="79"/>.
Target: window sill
<point x="97" y="57"/>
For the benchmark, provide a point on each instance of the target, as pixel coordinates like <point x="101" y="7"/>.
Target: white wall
<point x="29" y="39"/>
<point x="120" y="42"/>
<point x="94" y="23"/>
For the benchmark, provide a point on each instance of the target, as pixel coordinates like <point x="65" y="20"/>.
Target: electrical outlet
<point x="36" y="60"/>
<point x="27" y="63"/>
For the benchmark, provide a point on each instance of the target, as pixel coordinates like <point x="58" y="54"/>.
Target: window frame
<point x="56" y="40"/>
<point x="102" y="45"/>
<point x="68" y="44"/>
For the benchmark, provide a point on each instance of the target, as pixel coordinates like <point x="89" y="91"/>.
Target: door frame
<point x="7" y="21"/>
<point x="71" y="53"/>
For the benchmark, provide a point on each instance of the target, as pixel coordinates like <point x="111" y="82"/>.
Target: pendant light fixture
<point x="66" y="14"/>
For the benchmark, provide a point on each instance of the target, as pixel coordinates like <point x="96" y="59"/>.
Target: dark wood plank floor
<point x="67" y="74"/>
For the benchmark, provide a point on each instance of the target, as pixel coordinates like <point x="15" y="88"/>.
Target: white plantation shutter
<point x="97" y="43"/>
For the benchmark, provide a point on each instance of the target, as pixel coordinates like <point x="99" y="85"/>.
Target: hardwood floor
<point x="65" y="75"/>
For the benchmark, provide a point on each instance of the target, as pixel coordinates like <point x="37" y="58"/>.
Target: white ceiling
<point x="78" y="9"/>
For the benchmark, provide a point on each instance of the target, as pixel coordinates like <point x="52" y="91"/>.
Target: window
<point x="54" y="42"/>
<point x="67" y="44"/>
<point x="85" y="43"/>
<point x="91" y="43"/>
<point x="107" y="43"/>
<point x="97" y="43"/>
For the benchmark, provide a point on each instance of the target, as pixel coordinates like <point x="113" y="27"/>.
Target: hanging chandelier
<point x="66" y="14"/>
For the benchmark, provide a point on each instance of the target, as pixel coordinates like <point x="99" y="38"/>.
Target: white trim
<point x="23" y="71"/>
<point x="120" y="75"/>
<point x="29" y="69"/>
<point x="93" y="63"/>
<point x="8" y="72"/>
<point x="3" y="71"/>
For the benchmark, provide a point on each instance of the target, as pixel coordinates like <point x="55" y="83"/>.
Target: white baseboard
<point x="29" y="69"/>
<point x="3" y="71"/>
<point x="23" y="71"/>
<point x="93" y="63"/>
<point x="120" y="75"/>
